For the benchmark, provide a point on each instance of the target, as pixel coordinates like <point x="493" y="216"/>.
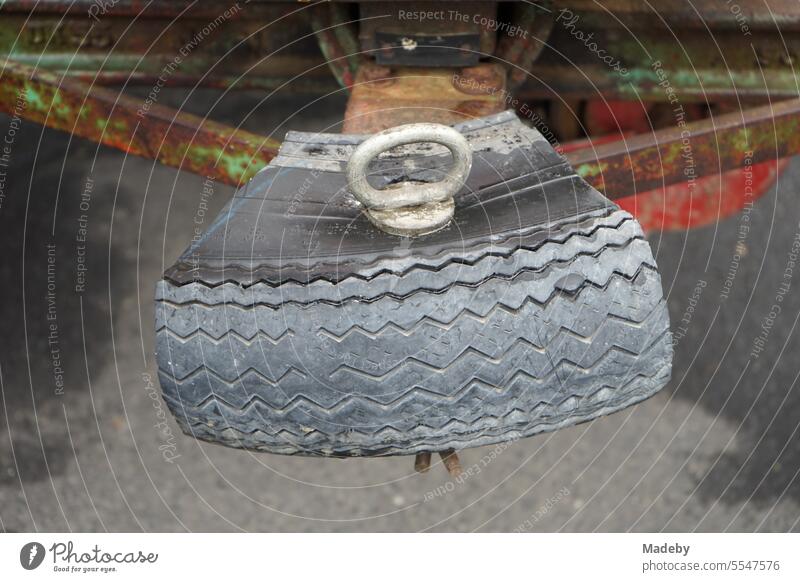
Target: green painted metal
<point x="257" y="51"/>
<point x="689" y="151"/>
<point x="233" y="156"/>
<point x="138" y="127"/>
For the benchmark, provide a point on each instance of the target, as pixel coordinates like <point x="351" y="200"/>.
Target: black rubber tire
<point x="544" y="330"/>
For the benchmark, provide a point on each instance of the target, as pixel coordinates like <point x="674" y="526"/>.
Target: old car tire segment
<point x="476" y="335"/>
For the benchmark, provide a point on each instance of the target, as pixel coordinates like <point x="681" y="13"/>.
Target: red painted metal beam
<point x="691" y="150"/>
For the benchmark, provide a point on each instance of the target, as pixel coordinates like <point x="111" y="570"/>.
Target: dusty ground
<point x="717" y="450"/>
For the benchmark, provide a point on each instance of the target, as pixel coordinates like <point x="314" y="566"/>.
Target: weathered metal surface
<point x="116" y="8"/>
<point x="394" y="20"/>
<point x="584" y="80"/>
<point x="427" y="50"/>
<point x="384" y="97"/>
<point x="138" y="127"/>
<point x="682" y="13"/>
<point x="667" y="50"/>
<point x="337" y="40"/>
<point x="685" y="204"/>
<point x="181" y="140"/>
<point x="746" y="52"/>
<point x="451" y="463"/>
<point x="410" y="208"/>
<point x="712" y="198"/>
<point x="212" y="44"/>
<point x="422" y="462"/>
<point x="519" y="51"/>
<point x="687" y="151"/>
<point x="640" y="163"/>
<point x="164" y="7"/>
<point x="408" y="194"/>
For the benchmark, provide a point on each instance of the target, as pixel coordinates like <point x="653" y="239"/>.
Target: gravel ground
<point x="716" y="450"/>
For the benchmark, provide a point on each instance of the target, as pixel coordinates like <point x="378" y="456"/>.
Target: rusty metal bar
<point x="451" y="462"/>
<point x="229" y="155"/>
<point x="422" y="462"/>
<point x="683" y="153"/>
<point x="761" y="14"/>
<point x="222" y="44"/>
<point x="142" y="128"/>
<point x="337" y="41"/>
<point x="751" y="56"/>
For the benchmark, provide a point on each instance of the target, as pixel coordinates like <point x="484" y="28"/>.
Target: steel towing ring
<point x="410" y="208"/>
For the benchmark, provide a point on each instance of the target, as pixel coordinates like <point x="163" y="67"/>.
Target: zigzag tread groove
<point x="476" y="391"/>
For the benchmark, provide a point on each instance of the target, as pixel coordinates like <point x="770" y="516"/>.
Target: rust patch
<point x="381" y="99"/>
<point x="701" y="148"/>
<point x="176" y="139"/>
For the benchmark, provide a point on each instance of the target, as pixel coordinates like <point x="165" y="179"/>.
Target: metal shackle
<point x="410" y="208"/>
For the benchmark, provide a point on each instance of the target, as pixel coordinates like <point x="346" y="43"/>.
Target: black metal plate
<point x="427" y="50"/>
